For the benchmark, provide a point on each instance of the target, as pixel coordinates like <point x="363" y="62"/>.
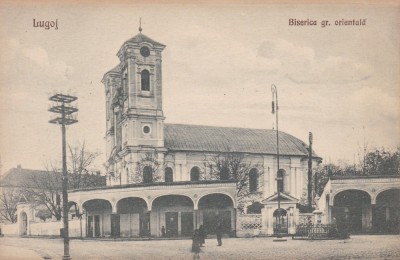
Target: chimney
<point x="19" y="166"/>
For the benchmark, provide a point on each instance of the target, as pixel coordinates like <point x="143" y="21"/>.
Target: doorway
<point x="187" y="223"/>
<point x="171" y="224"/>
<point x="93" y="226"/>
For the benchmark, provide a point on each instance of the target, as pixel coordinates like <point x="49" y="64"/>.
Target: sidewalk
<point x="18" y="253"/>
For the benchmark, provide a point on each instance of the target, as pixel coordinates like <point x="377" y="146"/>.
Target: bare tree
<point x="9" y="198"/>
<point x="235" y="167"/>
<point x="79" y="161"/>
<point x="44" y="189"/>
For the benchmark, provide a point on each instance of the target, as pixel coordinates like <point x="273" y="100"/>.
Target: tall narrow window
<point x="125" y="84"/>
<point x="195" y="174"/>
<point x="147" y="175"/>
<point x="145" y="76"/>
<point x="281" y="175"/>
<point x="224" y="174"/>
<point x="169" y="177"/>
<point x="253" y="180"/>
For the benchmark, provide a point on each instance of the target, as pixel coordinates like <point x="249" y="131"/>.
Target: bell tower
<point x="134" y="114"/>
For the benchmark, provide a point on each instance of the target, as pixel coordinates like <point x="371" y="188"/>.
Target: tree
<point x="44" y="189"/>
<point x="79" y="161"/>
<point x="382" y="162"/>
<point x="9" y="198"/>
<point x="43" y="213"/>
<point x="233" y="166"/>
<point x="376" y="162"/>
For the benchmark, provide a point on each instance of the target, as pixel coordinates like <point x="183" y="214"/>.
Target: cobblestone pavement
<point x="357" y="247"/>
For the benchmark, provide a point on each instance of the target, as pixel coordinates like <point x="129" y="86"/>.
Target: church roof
<point x="140" y="37"/>
<point x="180" y="137"/>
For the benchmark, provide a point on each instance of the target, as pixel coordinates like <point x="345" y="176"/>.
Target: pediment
<point x="283" y="197"/>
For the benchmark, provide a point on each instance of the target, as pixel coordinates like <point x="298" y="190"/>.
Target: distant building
<point x="16" y="183"/>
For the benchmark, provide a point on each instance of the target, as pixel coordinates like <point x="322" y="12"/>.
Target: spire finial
<point x="140" y="24"/>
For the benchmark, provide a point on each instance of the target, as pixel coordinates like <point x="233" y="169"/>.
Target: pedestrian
<point x="219" y="233"/>
<point x="196" y="245"/>
<point x="203" y="235"/>
<point x="163" y="231"/>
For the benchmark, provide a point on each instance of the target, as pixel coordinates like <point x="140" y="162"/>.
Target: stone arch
<point x="386" y="211"/>
<point x="133" y="217"/>
<point x="352" y="193"/>
<point x="333" y="194"/>
<point x="125" y="202"/>
<point x="75" y="209"/>
<point x="348" y="208"/>
<point x="97" y="202"/>
<point x="151" y="202"/>
<point x="216" y="193"/>
<point x="217" y="209"/>
<point x="378" y="192"/>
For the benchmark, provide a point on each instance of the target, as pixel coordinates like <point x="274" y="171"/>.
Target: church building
<point x="167" y="179"/>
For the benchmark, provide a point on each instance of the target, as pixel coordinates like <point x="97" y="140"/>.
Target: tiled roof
<point x="179" y="137"/>
<point x="140" y="37"/>
<point x="18" y="177"/>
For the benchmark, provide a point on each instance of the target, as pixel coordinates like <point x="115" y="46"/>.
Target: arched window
<point x="280" y="177"/>
<point x="147" y="174"/>
<point x="195" y="174"/>
<point x="169" y="177"/>
<point x="253" y="180"/>
<point x="145" y="76"/>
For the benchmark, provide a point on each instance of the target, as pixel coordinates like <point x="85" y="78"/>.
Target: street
<point x="357" y="247"/>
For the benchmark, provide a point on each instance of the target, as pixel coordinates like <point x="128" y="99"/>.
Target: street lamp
<point x="63" y="107"/>
<point x="279" y="173"/>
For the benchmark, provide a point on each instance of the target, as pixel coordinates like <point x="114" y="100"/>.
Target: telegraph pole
<point x="279" y="173"/>
<point x="310" y="139"/>
<point x="63" y="107"/>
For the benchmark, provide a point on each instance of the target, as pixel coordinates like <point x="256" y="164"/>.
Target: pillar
<point x="233" y="222"/>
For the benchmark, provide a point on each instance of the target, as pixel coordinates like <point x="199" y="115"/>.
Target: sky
<point x="339" y="82"/>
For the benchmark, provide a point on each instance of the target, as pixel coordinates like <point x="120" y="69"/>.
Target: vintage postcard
<point x="208" y="130"/>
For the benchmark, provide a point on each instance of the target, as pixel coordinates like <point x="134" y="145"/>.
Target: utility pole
<point x="63" y="107"/>
<point x="279" y="173"/>
<point x="310" y="140"/>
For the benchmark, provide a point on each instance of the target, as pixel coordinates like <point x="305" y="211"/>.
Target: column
<point x="233" y="223"/>
<point x="195" y="221"/>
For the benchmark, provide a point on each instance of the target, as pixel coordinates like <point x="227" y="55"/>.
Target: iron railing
<point x="319" y="231"/>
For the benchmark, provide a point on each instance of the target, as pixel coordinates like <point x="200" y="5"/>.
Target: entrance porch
<point x="157" y="209"/>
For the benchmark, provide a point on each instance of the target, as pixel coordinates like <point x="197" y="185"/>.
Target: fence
<point x="316" y="232"/>
<point x="306" y="219"/>
<point x="249" y="225"/>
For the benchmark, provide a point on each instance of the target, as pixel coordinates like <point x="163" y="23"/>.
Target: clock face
<point x="145" y="51"/>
